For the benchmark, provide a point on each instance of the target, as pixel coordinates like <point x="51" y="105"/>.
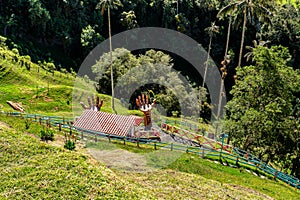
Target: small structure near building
<point x="16" y="106"/>
<point x="93" y="105"/>
<point x="144" y="105"/>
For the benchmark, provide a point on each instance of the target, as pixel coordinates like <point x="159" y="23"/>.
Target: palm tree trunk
<point x="243" y="36"/>
<point x="222" y="80"/>
<point x="111" y="67"/>
<point x="228" y="36"/>
<point x="206" y="63"/>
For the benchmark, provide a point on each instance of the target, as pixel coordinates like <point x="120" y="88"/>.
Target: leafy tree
<point x="103" y="4"/>
<point x="38" y="15"/>
<point x="286" y="31"/>
<point x="128" y="19"/>
<point x="261" y="115"/>
<point x="89" y="38"/>
<point x="249" y="55"/>
<point x="122" y="61"/>
<point x="11" y="21"/>
<point x="154" y="66"/>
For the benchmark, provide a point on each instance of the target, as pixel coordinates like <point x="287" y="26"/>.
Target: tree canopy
<point x="263" y="115"/>
<point x="151" y="71"/>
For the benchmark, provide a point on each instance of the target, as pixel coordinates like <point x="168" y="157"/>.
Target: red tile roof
<point x="107" y="123"/>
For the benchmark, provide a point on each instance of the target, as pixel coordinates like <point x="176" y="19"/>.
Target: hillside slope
<point x="42" y="89"/>
<point x="30" y="168"/>
<point x="37" y="87"/>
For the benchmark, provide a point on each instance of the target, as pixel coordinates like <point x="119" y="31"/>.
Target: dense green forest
<point x="46" y="30"/>
<point x="263" y="40"/>
<point x="65" y="31"/>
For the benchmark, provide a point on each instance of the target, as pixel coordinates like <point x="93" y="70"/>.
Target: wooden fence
<point x="209" y="149"/>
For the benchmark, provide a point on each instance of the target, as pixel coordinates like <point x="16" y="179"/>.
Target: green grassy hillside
<point x="38" y="89"/>
<point x="41" y="89"/>
<point x="30" y="168"/>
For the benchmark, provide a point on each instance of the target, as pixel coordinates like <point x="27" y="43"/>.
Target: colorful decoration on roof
<point x="144" y="105"/>
<point x="93" y="105"/>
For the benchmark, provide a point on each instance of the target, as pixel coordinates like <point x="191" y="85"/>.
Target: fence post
<point x="82" y="135"/>
<point x="237" y="161"/>
<point x="40" y="120"/>
<point x="275" y="175"/>
<point x="70" y="129"/>
<point x="202" y="153"/>
<point x="59" y="126"/>
<point x="154" y="145"/>
<point x="95" y="137"/>
<point x="138" y="143"/>
<point x="124" y="140"/>
<point x="171" y="146"/>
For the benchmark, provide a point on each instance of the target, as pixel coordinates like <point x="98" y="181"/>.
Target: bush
<point x="69" y="145"/>
<point x="47" y="135"/>
<point x="27" y="124"/>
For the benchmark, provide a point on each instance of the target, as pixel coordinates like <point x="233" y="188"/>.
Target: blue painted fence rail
<point x="238" y="155"/>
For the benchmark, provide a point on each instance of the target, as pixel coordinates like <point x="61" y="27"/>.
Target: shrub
<point x="47" y="135"/>
<point x="2" y="41"/>
<point x="69" y="144"/>
<point x="27" y="124"/>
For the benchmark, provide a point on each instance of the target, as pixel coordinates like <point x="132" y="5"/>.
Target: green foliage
<point x="128" y="20"/>
<point x="90" y="38"/>
<point x="69" y="144"/>
<point x="27" y="124"/>
<point x="47" y="135"/>
<point x="54" y="29"/>
<point x="261" y="117"/>
<point x="2" y="41"/>
<point x="286" y="31"/>
<point x="130" y="70"/>
<point x="38" y="15"/>
<point x="122" y="61"/>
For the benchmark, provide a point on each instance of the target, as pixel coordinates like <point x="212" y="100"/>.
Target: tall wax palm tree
<point x="248" y="8"/>
<point x="221" y="15"/>
<point x="211" y="31"/>
<point x="108" y="4"/>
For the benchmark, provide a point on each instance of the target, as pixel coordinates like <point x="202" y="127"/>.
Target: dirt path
<point x="3" y="124"/>
<point x="121" y="159"/>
